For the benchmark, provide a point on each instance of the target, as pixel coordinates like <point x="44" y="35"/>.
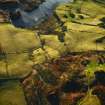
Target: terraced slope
<point x="85" y="24"/>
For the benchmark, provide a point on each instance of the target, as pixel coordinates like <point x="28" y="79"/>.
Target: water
<point x="35" y="17"/>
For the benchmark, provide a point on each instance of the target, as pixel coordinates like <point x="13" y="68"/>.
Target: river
<point x="33" y="18"/>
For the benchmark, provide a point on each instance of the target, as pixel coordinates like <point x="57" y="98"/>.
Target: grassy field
<point x="11" y="93"/>
<point x="15" y="47"/>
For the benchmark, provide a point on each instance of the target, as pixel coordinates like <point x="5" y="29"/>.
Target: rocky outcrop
<point x="3" y="16"/>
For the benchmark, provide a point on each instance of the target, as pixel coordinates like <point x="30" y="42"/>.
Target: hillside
<point x="59" y="62"/>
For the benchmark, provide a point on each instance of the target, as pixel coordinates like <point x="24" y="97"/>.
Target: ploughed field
<point x="75" y="79"/>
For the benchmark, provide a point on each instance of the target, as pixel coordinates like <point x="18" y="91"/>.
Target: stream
<point x="25" y="19"/>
